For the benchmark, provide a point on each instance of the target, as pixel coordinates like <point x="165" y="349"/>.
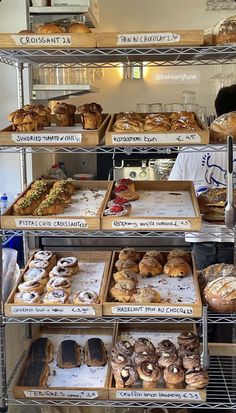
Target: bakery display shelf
<point x="52" y="92"/>
<point x="220" y="392"/>
<point x="112" y="57"/>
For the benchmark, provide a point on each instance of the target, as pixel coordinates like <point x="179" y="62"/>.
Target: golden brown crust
<point x="50" y="28"/>
<point x="167" y="359"/>
<point x="86" y="297"/>
<point x="27" y="297"/>
<point x="31" y="286"/>
<point x="197" y="379"/>
<point x="150" y="267"/>
<point x="129" y="253"/>
<point x="128" y="264"/>
<point x="178" y="253"/>
<point x="220" y="295"/>
<point x="177" y="267"/>
<point x="223" y="126"/>
<point x="78" y="28"/>
<point x="165" y="346"/>
<point x="145" y="295"/>
<point x="149" y="373"/>
<point x="59" y="283"/>
<point x="125" y="377"/>
<point x="123" y="291"/>
<point x="155" y="254"/>
<point x="144" y="345"/>
<point x="174" y="377"/>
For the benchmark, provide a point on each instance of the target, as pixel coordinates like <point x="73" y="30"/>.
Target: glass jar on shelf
<point x="156" y="107"/>
<point x="142" y="108"/>
<point x="188" y="96"/>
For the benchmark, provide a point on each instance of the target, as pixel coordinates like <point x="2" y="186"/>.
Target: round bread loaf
<point x="212" y="272"/>
<point x="223" y="126"/>
<point x="224" y="32"/>
<point x="220" y="295"/>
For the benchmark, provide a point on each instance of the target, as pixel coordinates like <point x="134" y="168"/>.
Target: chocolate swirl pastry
<point x="197" y="379"/>
<point x="167" y="359"/>
<point x="149" y="373"/>
<point x="186" y="351"/>
<point x="191" y="361"/>
<point x="139" y="358"/>
<point x="188" y="339"/>
<point x="125" y="377"/>
<point x="119" y="360"/>
<point x="174" y="377"/>
<point x="165" y="346"/>
<point x="144" y="345"/>
<point x="123" y="347"/>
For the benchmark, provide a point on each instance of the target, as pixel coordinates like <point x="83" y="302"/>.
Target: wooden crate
<point x="56" y="335"/>
<point x="68" y="309"/>
<point x="61" y="221"/>
<point x="148" y="221"/>
<point x="153" y="38"/>
<point x="149" y="138"/>
<point x="163" y="309"/>
<point x="156" y="333"/>
<point x="47" y="41"/>
<point x="72" y="136"/>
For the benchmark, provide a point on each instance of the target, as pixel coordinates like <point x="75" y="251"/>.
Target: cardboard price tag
<point x="147" y="38"/>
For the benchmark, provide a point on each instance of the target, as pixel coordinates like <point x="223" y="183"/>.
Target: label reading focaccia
<point x="147" y="38"/>
<point x="142" y="224"/>
<point x="41" y="40"/>
<point x="153" y="309"/>
<point x="56" y="223"/>
<point x="46" y="139"/>
<point x="166" y="138"/>
<point x="79" y="394"/>
<point x="53" y="310"/>
<point x="159" y="395"/>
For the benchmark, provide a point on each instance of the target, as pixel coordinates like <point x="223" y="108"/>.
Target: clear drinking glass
<point x="188" y="96"/>
<point x="155" y="107"/>
<point x="192" y="107"/>
<point x="142" y="108"/>
<point x="177" y="107"/>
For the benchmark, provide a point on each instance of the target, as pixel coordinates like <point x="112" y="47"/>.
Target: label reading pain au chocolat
<point x="147" y="38"/>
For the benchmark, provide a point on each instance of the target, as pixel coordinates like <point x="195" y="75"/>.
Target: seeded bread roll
<point x="223" y="126"/>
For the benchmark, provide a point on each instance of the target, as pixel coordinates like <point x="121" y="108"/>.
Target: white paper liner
<point x="85" y="203"/>
<point x="83" y="376"/>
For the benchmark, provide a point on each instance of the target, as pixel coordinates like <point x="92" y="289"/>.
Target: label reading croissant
<point x="41" y="40"/>
<point x="155" y="138"/>
<point x="55" y="223"/>
<point x="143" y="224"/>
<point x="79" y="394"/>
<point x="147" y="38"/>
<point x="153" y="309"/>
<point x="159" y="394"/>
<point x="53" y="310"/>
<point x="47" y="138"/>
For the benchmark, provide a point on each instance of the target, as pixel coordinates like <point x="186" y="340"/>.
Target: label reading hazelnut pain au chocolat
<point x="54" y="223"/>
<point x="41" y="40"/>
<point x="142" y="224"/>
<point x="147" y="38"/>
<point x="159" y="395"/>
<point x="46" y="139"/>
<point x="79" y="394"/>
<point x="53" y="310"/>
<point x="153" y="309"/>
<point x="156" y="138"/>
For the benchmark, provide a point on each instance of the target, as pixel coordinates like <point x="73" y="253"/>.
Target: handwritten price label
<point x="39" y="40"/>
<point x="147" y="38"/>
<point x="53" y="310"/>
<point x="142" y="224"/>
<point x="166" y="138"/>
<point x="159" y="395"/>
<point x="47" y="139"/>
<point x="58" y="394"/>
<point x="153" y="309"/>
<point x="41" y="223"/>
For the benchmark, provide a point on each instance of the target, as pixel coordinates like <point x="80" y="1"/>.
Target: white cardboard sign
<point x="55" y="394"/>
<point x="159" y="395"/>
<point x="46" y="139"/>
<point x="145" y="224"/>
<point x="147" y="38"/>
<point x="55" y="310"/>
<point x="56" y="223"/>
<point x="153" y="309"/>
<point x="155" y="138"/>
<point x="41" y="40"/>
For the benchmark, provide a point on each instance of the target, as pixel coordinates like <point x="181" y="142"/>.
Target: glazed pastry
<point x="173" y="377"/>
<point x="177" y="253"/>
<point x="128" y="264"/>
<point x="118" y="201"/>
<point x="177" y="267"/>
<point x="197" y="379"/>
<point x="31" y="286"/>
<point x="123" y="291"/>
<point x="149" y="267"/>
<point x="44" y="255"/>
<point x="155" y="254"/>
<point x="59" y="271"/>
<point x="140" y="357"/>
<point x="69" y="262"/>
<point x="123" y="347"/>
<point x="119" y="360"/>
<point x="126" y="376"/>
<point x="145" y="295"/>
<point x="124" y="275"/>
<point x="149" y="373"/>
<point x="165" y="346"/>
<point x="56" y="297"/>
<point x="167" y="359"/>
<point x="36" y="274"/>
<point x="86" y="297"/>
<point x="68" y="355"/>
<point x="129" y="253"/>
<point x="36" y="374"/>
<point x="188" y="340"/>
<point x="27" y="298"/>
<point x="45" y="264"/>
<point x="144" y="345"/>
<point x="95" y="352"/>
<point x="191" y="361"/>
<point x="59" y="283"/>
<point x="42" y="349"/>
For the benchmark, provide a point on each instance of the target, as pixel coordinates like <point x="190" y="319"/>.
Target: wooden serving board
<point x="149" y="138"/>
<point x="162" y="206"/>
<point x="72" y="136"/>
<point x="87" y="383"/>
<point x="155" y="333"/>
<point x="47" y="41"/>
<point x="155" y="38"/>
<point x="70" y="221"/>
<point x="92" y="274"/>
<point x="178" y="289"/>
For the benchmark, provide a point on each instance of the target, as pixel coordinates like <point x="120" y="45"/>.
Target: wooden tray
<point x="47" y="41"/>
<point x="144" y="219"/>
<point x="62" y="221"/>
<point x="156" y="333"/>
<point x="151" y="38"/>
<point x="56" y="391"/>
<point x="150" y="138"/>
<point x="166" y="308"/>
<point x="72" y="136"/>
<point x="69" y="309"/>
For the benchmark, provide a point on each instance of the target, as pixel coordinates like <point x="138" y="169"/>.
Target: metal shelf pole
<point x="3" y="387"/>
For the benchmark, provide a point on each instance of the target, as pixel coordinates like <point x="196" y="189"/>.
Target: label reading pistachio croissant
<point x="41" y="40"/>
<point x="159" y="395"/>
<point x="54" y="223"/>
<point x="147" y="38"/>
